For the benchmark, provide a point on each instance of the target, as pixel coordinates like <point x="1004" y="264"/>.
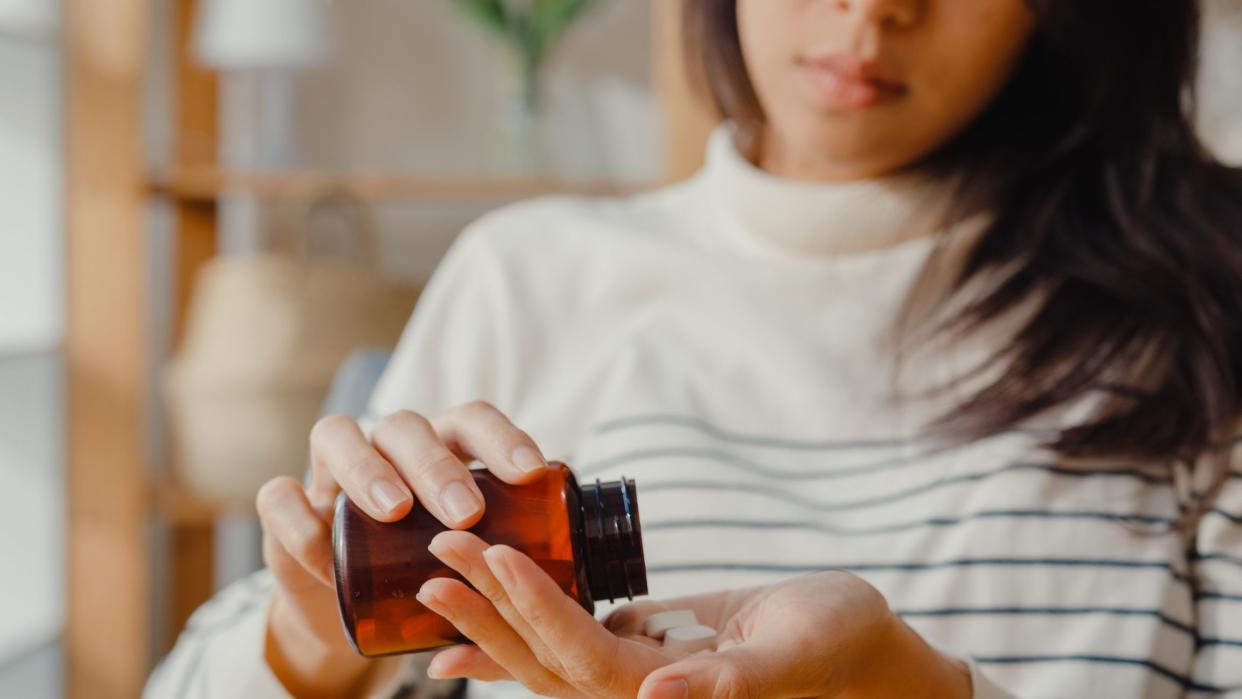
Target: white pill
<point x="658" y="623"/>
<point x="690" y="639"/>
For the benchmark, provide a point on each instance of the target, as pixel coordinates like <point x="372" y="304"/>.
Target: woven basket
<point x="264" y="336"/>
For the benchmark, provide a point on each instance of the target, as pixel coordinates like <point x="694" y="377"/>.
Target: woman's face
<point x="860" y="88"/>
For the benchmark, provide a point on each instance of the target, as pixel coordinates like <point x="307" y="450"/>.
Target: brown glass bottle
<point x="588" y="539"/>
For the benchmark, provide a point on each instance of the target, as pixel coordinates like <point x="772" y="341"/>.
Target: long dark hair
<point x="1108" y="210"/>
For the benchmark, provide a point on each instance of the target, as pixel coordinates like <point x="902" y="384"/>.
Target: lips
<point x="844" y="82"/>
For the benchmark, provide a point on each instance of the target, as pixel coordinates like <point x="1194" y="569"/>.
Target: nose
<point x="897" y="14"/>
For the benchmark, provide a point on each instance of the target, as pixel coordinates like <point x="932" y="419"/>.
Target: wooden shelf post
<point x="196" y="116"/>
<point x="113" y="625"/>
<point x="106" y="639"/>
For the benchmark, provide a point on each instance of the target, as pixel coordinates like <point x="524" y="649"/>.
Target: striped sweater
<point x="732" y="344"/>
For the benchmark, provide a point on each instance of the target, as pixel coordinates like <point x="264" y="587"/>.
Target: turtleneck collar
<point x="791" y="218"/>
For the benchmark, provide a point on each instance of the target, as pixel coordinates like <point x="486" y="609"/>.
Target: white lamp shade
<point x="257" y="34"/>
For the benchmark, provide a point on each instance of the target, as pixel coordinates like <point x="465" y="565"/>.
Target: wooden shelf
<point x="114" y="491"/>
<point x="178" y="506"/>
<point x="203" y="185"/>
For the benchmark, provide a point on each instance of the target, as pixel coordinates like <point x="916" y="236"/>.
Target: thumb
<point x="745" y="671"/>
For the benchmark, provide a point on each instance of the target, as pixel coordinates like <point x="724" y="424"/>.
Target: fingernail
<point x="435" y="545"/>
<point x="500" y="568"/>
<point x="458" y="501"/>
<point x="527" y="460"/>
<point x="445" y="553"/>
<point x="428" y="600"/>
<point x="330" y="572"/>
<point x="669" y="689"/>
<point x="388" y="496"/>
<point x="436" y="669"/>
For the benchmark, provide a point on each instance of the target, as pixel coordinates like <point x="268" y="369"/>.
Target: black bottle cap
<point x="615" y="565"/>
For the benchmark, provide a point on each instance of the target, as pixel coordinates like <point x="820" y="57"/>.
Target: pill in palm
<point x="657" y="624"/>
<point x="690" y="639"/>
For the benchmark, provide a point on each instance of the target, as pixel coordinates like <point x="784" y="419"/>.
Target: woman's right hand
<point x="408" y="457"/>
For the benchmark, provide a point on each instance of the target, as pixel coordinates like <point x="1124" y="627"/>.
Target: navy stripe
<point x="1216" y="595"/>
<point x="1199" y="641"/>
<point x="1056" y="611"/>
<point x="828" y="471"/>
<point x="1183" y="680"/>
<point x="727" y="566"/>
<point x="1220" y="642"/>
<point x="741" y="567"/>
<point x="892" y="528"/>
<point x="1117" y="518"/>
<point x="1236" y="519"/>
<point x="701" y="425"/>
<point x="770" y="491"/>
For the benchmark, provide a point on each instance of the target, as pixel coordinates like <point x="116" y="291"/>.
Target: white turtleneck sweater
<point x="730" y="343"/>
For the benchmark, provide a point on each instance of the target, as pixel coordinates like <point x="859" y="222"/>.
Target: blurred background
<point x="206" y="206"/>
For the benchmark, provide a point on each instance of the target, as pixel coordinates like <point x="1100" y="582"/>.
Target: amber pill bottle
<point x="588" y="539"/>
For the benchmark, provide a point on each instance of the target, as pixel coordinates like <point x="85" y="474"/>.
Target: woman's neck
<point x="817" y="218"/>
<point x="781" y="159"/>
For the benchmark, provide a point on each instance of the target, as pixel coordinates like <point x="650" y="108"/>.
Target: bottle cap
<point x="615" y="565"/>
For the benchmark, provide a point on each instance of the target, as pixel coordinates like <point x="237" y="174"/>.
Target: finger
<point x="289" y="574"/>
<point x="438" y="478"/>
<point x="590" y="654"/>
<point x="468" y="662"/>
<point x="741" y="671"/>
<point x="288" y="518"/>
<point x="463" y="552"/>
<point x="472" y="615"/>
<point x="481" y="431"/>
<point x="322" y="490"/>
<point x="341" y="454"/>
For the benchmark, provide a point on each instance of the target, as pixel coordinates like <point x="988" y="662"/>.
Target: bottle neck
<point x="612" y="540"/>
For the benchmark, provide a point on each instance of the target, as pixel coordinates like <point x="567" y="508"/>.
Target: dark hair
<point x="1108" y="210"/>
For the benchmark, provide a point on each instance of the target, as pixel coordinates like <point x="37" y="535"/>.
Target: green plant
<point x="530" y="27"/>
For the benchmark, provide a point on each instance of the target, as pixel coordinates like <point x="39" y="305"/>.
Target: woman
<point x="946" y="325"/>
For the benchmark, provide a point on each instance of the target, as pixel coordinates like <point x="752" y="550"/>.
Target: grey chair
<point x="354" y="381"/>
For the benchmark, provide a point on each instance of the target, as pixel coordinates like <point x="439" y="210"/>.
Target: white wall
<point x="32" y="518"/>
<point x="416" y="87"/>
<point x="30" y="240"/>
<point x="31" y="326"/>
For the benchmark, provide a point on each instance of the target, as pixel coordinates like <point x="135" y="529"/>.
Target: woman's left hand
<point x="826" y="634"/>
